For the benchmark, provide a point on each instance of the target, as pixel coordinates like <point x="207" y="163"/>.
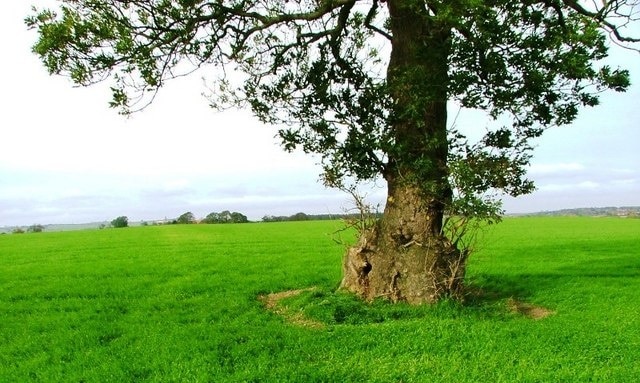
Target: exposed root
<point x="528" y="310"/>
<point x="271" y="303"/>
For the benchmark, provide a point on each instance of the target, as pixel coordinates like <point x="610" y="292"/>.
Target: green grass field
<point x="181" y="304"/>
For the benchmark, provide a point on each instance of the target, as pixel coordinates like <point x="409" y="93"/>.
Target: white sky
<point x="65" y="157"/>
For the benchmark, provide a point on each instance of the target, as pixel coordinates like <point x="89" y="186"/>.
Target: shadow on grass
<point x="489" y="296"/>
<point x="335" y="308"/>
<point x="505" y="296"/>
<point x="619" y="266"/>
<point x="586" y="274"/>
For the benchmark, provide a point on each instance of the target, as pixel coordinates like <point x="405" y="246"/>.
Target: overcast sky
<point x="65" y="157"/>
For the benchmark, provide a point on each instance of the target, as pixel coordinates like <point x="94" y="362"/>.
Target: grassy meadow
<point x="182" y="304"/>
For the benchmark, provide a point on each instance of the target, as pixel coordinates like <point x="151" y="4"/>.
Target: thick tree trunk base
<point x="413" y="272"/>
<point x="405" y="257"/>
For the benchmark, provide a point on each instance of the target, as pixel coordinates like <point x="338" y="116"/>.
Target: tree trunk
<point x="406" y="257"/>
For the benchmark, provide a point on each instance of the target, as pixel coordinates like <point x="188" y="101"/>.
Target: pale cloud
<point x="588" y="185"/>
<point x="569" y="186"/>
<point x="173" y="185"/>
<point x="546" y="169"/>
<point x="627" y="182"/>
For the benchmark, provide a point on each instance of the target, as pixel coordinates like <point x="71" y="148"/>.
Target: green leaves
<point x="533" y="61"/>
<point x="323" y="71"/>
<point x="480" y="174"/>
<point x="617" y="79"/>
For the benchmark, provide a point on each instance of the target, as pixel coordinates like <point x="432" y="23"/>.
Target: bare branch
<point x="603" y="14"/>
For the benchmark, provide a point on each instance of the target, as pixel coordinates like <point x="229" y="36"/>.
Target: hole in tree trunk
<point x="366" y="269"/>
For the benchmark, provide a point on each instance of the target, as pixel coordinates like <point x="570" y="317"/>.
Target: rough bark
<point x="406" y="257"/>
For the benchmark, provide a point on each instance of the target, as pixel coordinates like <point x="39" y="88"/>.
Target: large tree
<point x="365" y="84"/>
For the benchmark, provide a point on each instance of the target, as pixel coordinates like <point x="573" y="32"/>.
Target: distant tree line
<point x="121" y="221"/>
<point x="310" y="217"/>
<point x="225" y="216"/>
<point x="35" y="228"/>
<point x="186" y="219"/>
<point x="283" y="218"/>
<point x="610" y="211"/>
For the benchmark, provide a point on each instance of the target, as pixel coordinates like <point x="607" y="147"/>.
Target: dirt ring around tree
<point x="271" y="303"/>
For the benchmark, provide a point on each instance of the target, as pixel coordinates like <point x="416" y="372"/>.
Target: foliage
<point x="623" y="211"/>
<point x="299" y="217"/>
<point x="238" y="217"/>
<point x="186" y="218"/>
<point x="225" y="217"/>
<point x="182" y="306"/>
<point x="319" y="67"/>
<point x="120" y="222"/>
<point x="35" y="228"/>
<point x="313" y="217"/>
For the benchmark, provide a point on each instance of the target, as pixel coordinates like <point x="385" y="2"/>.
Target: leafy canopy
<point x="318" y="69"/>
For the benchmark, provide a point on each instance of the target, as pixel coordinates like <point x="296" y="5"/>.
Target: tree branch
<point x="601" y="16"/>
<point x="343" y="17"/>
<point x="369" y="18"/>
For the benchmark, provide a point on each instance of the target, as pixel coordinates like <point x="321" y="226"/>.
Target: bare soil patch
<point x="272" y="303"/>
<point x="529" y="310"/>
